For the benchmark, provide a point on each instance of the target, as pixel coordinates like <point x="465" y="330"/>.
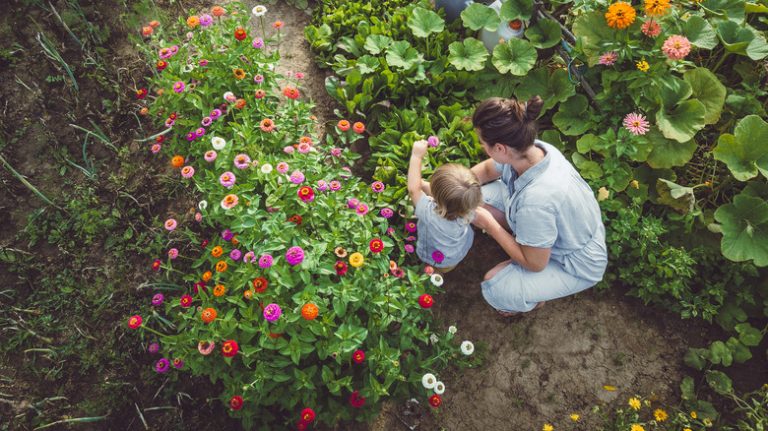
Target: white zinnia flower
<point x="259" y="10"/>
<point x="433" y="339"/>
<point x="266" y="168"/>
<point x="218" y="143"/>
<point x="437" y="279"/>
<point x="229" y="96"/>
<point x="429" y="380"/>
<point x="202" y="205"/>
<point x="452" y="329"/>
<point x="439" y="388"/>
<point x="467" y="347"/>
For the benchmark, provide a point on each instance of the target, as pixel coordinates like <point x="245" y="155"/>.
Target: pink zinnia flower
<point x="288" y="149"/>
<point x="322" y="185"/>
<point x="229" y="201"/>
<point x="235" y="254"/>
<point x="242" y="161"/>
<point x="336" y="152"/>
<point x="206" y="121"/>
<point x="676" y="47"/>
<point x="297" y="177"/>
<point x="433" y="141"/>
<point x="170" y="224"/>
<point x="272" y="312"/>
<point x="185" y="301"/>
<point x="410" y="226"/>
<point x="299" y="75"/>
<point x="203" y="63"/>
<point x="178" y="86"/>
<point x="258" y="43"/>
<point x="438" y="256"/>
<point x="282" y="167"/>
<point x="294" y="255"/>
<point x="249" y="257"/>
<point x="304" y="148"/>
<point x="408" y="248"/>
<point x="162" y="365"/>
<point x="265" y="261"/>
<point x="206" y="20"/>
<point x="210" y="156"/>
<point x="335" y="185"/>
<point x="258" y="78"/>
<point x="352" y="203"/>
<point x="187" y="171"/>
<point x="157" y="299"/>
<point x="206" y="347"/>
<point x="215" y="114"/>
<point x="651" y="28"/>
<point x="156" y="148"/>
<point x="362" y="209"/>
<point x="386" y="212"/>
<point x="173" y="253"/>
<point x="608" y="58"/>
<point x="636" y="124"/>
<point x="227" y="179"/>
<point x="377" y="186"/>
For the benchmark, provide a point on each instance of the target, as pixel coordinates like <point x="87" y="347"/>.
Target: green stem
<point x="153" y="331"/>
<point x="29" y="185"/>
<point x="722" y="59"/>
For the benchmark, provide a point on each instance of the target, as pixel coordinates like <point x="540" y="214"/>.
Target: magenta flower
<point x="206" y="20"/>
<point x="185" y="301"/>
<point x="362" y="209"/>
<point x="227" y="235"/>
<point x="258" y="43"/>
<point x="200" y="131"/>
<point x="322" y="185"/>
<point x="676" y="47"/>
<point x="158" y="299"/>
<point x="215" y="114"/>
<point x="178" y="87"/>
<point x="334" y="185"/>
<point x="210" y="156"/>
<point x="162" y="365"/>
<point x="174" y="49"/>
<point x="272" y="312"/>
<point x="608" y="58"/>
<point x="636" y="124"/>
<point x="377" y="186"/>
<point x="386" y="212"/>
<point x="390" y="231"/>
<point x="178" y="363"/>
<point x="410" y="226"/>
<point x="352" y="203"/>
<point x="169" y="122"/>
<point x="153" y="348"/>
<point x="294" y="255"/>
<point x="242" y="161"/>
<point x="282" y="167"/>
<point x="433" y="141"/>
<point x="165" y="53"/>
<point x="409" y="248"/>
<point x="249" y="257"/>
<point x="235" y="254"/>
<point x="297" y="177"/>
<point x="173" y="253"/>
<point x="191" y="136"/>
<point x="206" y="121"/>
<point x="170" y="224"/>
<point x="265" y="261"/>
<point x="203" y="63"/>
<point x="438" y="256"/>
<point x="227" y="179"/>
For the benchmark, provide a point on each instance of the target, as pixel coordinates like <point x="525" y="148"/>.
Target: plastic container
<point x="506" y="30"/>
<point x="453" y="8"/>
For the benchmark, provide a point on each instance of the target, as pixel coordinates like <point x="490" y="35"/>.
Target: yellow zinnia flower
<point x="687" y="429"/>
<point x="575" y="417"/>
<point x="356" y="260"/>
<point x="642" y="66"/>
<point x="707" y="422"/>
<point x="636" y="427"/>
<point x="547" y="427"/>
<point x="634" y="403"/>
<point x="620" y="15"/>
<point x="660" y="415"/>
<point x="656" y="7"/>
<point x="694" y="415"/>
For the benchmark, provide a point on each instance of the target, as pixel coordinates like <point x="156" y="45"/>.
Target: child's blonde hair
<point x="456" y="191"/>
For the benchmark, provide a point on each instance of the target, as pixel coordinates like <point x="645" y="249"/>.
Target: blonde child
<point x="445" y="208"/>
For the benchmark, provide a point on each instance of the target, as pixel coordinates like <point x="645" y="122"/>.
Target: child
<point x="445" y="233"/>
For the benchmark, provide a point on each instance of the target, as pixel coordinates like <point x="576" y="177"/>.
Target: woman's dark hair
<point x="508" y="121"/>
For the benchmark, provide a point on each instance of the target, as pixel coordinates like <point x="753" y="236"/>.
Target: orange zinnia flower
<point x="208" y="315"/>
<point x="177" y="161"/>
<point x="620" y="15"/>
<point x="239" y="73"/>
<point x="260" y="284"/>
<point x="147" y="31"/>
<point x="343" y="125"/>
<point x="656" y="7"/>
<point x="217" y="251"/>
<point x="248" y="294"/>
<point x="309" y="311"/>
<point x="267" y="125"/>
<point x="358" y="127"/>
<point x="277" y="24"/>
<point x="207" y="275"/>
<point x="217" y="11"/>
<point x="240" y="104"/>
<point x="221" y="266"/>
<point x="291" y="92"/>
<point x="219" y="290"/>
<point x="193" y="21"/>
<point x="305" y="140"/>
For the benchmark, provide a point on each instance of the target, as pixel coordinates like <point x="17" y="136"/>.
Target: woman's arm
<point x="414" y="170"/>
<point x="531" y="258"/>
<point x="486" y="171"/>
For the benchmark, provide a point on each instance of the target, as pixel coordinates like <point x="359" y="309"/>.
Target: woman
<point x="538" y="208"/>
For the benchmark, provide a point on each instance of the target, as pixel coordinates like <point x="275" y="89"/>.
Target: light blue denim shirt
<point x="551" y="206"/>
<point x="453" y="238"/>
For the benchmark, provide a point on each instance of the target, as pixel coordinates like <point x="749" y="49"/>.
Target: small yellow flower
<point x="634" y="403"/>
<point x="547" y="427"/>
<point x="635" y="184"/>
<point x="609" y="388"/>
<point x="603" y="194"/>
<point x="687" y="429"/>
<point x="642" y="66"/>
<point x="575" y="417"/>
<point x="636" y="427"/>
<point x="356" y="259"/>
<point x="694" y="415"/>
<point x="707" y="422"/>
<point x="660" y="415"/>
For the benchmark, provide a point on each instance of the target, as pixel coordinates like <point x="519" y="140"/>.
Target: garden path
<point x="542" y="366"/>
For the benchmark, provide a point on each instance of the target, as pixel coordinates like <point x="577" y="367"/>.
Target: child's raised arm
<point x="414" y="170"/>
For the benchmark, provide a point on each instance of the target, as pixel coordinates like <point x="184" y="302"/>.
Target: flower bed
<point x="291" y="283"/>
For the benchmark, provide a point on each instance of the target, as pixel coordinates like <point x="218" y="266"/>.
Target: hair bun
<point x="533" y="108"/>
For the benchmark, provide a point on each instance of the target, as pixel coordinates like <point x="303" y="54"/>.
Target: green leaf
<point x="749" y="335"/>
<point x="735" y="37"/>
<point x="516" y="56"/>
<point x="589" y="169"/>
<point x="546" y="33"/>
<point x="552" y="87"/>
<point x="746" y="151"/>
<point x="739" y="351"/>
<point x="470" y="54"/>
<point x="732" y="10"/>
<point x="478" y="16"/>
<point x="682" y="122"/>
<point x="718" y="381"/>
<point x="708" y="90"/>
<point x="676" y="196"/>
<point x="516" y="9"/>
<point x="730" y="315"/>
<point x="745" y="229"/>
<point x="377" y="43"/>
<point x="401" y="54"/>
<point x="696" y="358"/>
<point x="700" y="32"/>
<point x="367" y="64"/>
<point x="667" y="153"/>
<point x="687" y="389"/>
<point x="593" y="32"/>
<point x="673" y="90"/>
<point x="720" y="354"/>
<point x="570" y="116"/>
<point x="424" y="22"/>
<point x="757" y="48"/>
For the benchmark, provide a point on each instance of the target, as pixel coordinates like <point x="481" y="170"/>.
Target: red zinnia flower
<point x="204" y="244"/>
<point x="358" y="128"/>
<point x="229" y="348"/>
<point x="341" y="268"/>
<point x="435" y="401"/>
<point x="260" y="284"/>
<point x="291" y="92"/>
<point x="343" y="125"/>
<point x="236" y="402"/>
<point x="185" y="301"/>
<point x="301" y="426"/>
<point x="141" y="93"/>
<point x="161" y="65"/>
<point x="173" y="116"/>
<point x="295" y="219"/>
<point x="240" y="33"/>
<point x="355" y="400"/>
<point x="358" y="356"/>
<point x="426" y="301"/>
<point x="307" y="415"/>
<point x="376" y="245"/>
<point x="134" y="322"/>
<point x="306" y="194"/>
<point x="156" y="264"/>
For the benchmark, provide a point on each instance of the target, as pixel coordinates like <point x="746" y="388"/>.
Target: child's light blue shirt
<point x="453" y="238"/>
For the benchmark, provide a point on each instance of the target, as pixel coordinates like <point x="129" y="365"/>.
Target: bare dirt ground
<point x="543" y="366"/>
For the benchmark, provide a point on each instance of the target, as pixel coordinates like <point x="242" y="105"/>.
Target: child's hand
<point x="483" y="218"/>
<point x="419" y="148"/>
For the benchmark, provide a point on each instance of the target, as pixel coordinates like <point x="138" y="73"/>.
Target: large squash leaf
<point x="746" y="151"/>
